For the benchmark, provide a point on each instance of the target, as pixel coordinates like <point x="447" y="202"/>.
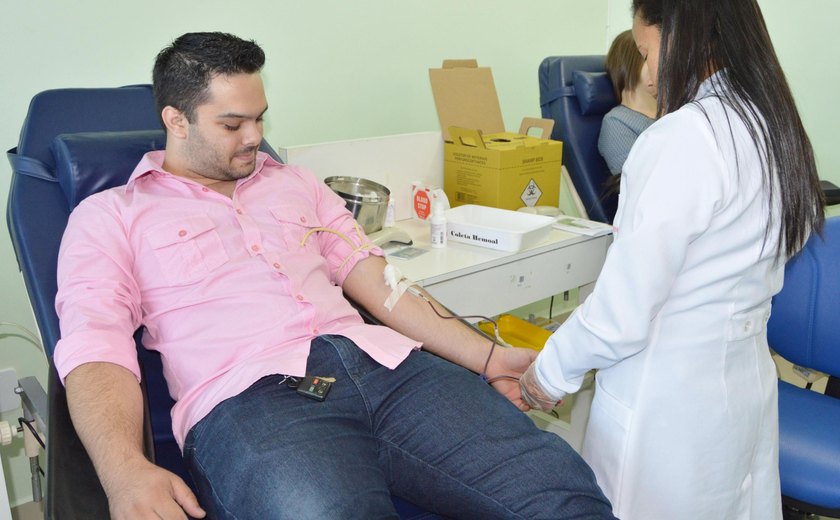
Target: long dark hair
<point x="702" y="36"/>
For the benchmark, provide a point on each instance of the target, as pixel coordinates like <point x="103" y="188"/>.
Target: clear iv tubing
<point x="495" y="339"/>
<point x="363" y="246"/>
<point x="413" y="290"/>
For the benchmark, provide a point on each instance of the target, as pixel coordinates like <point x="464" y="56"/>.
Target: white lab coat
<point x="684" y="421"/>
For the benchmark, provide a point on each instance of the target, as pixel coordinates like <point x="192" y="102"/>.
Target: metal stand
<point x="34" y="402"/>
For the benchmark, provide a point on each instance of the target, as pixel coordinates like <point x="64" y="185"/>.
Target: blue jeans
<point x="428" y="431"/>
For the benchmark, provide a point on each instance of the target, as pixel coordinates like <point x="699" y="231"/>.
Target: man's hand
<point x="510" y="362"/>
<point x="533" y="393"/>
<point x="142" y="490"/>
<point x="106" y="406"/>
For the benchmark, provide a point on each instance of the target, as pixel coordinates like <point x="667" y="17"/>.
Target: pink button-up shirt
<point x="229" y="289"/>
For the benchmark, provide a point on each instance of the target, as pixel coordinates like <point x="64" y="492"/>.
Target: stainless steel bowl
<point x="365" y="199"/>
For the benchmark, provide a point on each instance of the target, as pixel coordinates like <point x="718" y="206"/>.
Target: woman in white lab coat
<point x="715" y="196"/>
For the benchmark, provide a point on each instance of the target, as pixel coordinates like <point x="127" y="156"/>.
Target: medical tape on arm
<point x="398" y="283"/>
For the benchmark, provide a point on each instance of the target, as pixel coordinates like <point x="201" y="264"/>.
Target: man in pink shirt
<point x="236" y="266"/>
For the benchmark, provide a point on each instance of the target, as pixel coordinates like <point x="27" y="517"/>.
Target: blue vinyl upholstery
<point x="37" y="211"/>
<point x="76" y="142"/>
<point x="576" y="93"/>
<point x="803" y="330"/>
<point x="89" y="162"/>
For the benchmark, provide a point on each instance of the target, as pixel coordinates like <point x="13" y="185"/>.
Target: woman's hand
<point x="533" y="393"/>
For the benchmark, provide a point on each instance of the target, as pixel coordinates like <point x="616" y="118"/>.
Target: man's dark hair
<point x="183" y="70"/>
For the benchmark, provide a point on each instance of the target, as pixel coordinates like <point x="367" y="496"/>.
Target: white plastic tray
<point x="496" y="228"/>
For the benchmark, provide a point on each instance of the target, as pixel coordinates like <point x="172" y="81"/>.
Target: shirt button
<point x="276" y="265"/>
<point x="205" y="190"/>
<point x="303" y="219"/>
<point x="182" y="233"/>
<point x="299" y="297"/>
<point x="315" y="331"/>
<point x="238" y="211"/>
<point x="255" y="248"/>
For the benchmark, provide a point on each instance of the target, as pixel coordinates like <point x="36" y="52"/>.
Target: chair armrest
<point x="73" y="490"/>
<point x="832" y="193"/>
<point x="364" y="313"/>
<point x="832" y="387"/>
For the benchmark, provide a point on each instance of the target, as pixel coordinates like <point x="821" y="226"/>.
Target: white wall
<point x="341" y="70"/>
<point x="335" y="70"/>
<point x="806" y="39"/>
<point x="618" y="19"/>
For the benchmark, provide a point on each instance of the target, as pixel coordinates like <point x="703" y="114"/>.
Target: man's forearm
<point x="106" y="406"/>
<point x="413" y="317"/>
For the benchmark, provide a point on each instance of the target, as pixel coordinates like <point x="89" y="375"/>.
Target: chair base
<point x="793" y="509"/>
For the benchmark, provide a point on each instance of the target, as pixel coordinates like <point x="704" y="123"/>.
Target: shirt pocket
<point x="297" y="227"/>
<point x="187" y="249"/>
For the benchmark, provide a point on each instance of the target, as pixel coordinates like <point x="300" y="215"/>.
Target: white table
<point x="473" y="280"/>
<point x="467" y="279"/>
<point x="477" y="280"/>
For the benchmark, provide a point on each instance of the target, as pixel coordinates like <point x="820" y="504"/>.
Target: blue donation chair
<point x="803" y="330"/>
<point x="576" y="92"/>
<point x="76" y="142"/>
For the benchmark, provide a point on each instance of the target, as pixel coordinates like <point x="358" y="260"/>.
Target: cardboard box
<point x="483" y="164"/>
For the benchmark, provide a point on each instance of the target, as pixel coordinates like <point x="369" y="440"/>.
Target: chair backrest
<point x="76" y="142"/>
<point x="44" y="191"/>
<point x="37" y="210"/>
<point x="576" y="92"/>
<point x="803" y="326"/>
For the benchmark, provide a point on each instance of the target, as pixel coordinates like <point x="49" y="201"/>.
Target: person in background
<point x="716" y="195"/>
<point x="636" y="107"/>
<point x="237" y="267"/>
